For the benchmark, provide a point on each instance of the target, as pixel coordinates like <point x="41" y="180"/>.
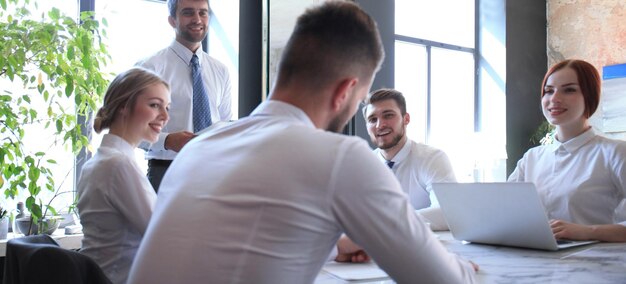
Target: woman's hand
<point x="571" y="231"/>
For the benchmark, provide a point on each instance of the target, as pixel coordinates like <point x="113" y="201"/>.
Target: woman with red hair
<point x="581" y="177"/>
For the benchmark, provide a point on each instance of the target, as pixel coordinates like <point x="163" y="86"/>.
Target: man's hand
<point x="475" y="266"/>
<point x="348" y="251"/>
<point x="176" y="141"/>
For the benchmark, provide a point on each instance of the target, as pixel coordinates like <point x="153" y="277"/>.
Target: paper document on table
<point x="607" y="253"/>
<point x="355" y="271"/>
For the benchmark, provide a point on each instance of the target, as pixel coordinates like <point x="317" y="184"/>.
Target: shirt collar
<point x="118" y="143"/>
<point x="184" y="53"/>
<point x="402" y="154"/>
<point x="575" y="143"/>
<point x="281" y="109"/>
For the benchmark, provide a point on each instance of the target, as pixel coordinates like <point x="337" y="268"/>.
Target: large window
<point x="133" y="36"/>
<point x="443" y="21"/>
<point x="224" y="42"/>
<point x="435" y="68"/>
<point x="412" y="80"/>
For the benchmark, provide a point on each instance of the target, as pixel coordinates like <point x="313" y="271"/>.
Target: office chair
<point x="39" y="259"/>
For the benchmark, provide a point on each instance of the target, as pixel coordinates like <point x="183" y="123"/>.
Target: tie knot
<point x="390" y="164"/>
<point x="194" y="60"/>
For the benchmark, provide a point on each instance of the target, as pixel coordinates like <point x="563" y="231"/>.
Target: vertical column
<point x="84" y="121"/>
<point x="383" y="13"/>
<point x="526" y="63"/>
<point x="251" y="91"/>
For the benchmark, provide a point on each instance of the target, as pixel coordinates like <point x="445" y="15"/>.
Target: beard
<point x="396" y="139"/>
<point x="339" y="122"/>
<point x="192" y="38"/>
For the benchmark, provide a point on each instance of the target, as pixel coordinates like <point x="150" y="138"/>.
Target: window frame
<point x="429" y="44"/>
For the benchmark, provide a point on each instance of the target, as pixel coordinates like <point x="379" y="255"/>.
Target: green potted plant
<point x="48" y="222"/>
<point x="544" y="134"/>
<point x="57" y="62"/>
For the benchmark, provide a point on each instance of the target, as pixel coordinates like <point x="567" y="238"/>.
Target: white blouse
<point x="115" y="204"/>
<point x="582" y="180"/>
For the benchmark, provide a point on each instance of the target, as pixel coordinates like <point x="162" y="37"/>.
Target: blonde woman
<point x="115" y="198"/>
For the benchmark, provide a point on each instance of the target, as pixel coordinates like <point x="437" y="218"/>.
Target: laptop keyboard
<point x="563" y="242"/>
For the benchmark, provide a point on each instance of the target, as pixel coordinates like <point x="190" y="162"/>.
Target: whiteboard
<point x="614" y="98"/>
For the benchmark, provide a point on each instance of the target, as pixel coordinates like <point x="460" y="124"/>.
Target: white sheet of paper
<point x="355" y="271"/>
<point x="607" y="253"/>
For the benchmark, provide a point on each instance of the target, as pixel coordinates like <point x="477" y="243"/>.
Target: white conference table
<point x="596" y="263"/>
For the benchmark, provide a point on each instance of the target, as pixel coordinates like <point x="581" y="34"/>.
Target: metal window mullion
<point x="477" y="95"/>
<point x="428" y="44"/>
<point x="84" y="121"/>
<point x="428" y="92"/>
<point x="433" y="43"/>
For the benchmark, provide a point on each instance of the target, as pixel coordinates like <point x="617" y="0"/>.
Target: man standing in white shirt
<point x="265" y="199"/>
<point x="175" y="64"/>
<point x="417" y="166"/>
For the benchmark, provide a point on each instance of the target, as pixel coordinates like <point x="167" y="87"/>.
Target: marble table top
<point x="596" y="263"/>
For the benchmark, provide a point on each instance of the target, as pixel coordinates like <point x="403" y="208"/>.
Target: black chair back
<point x="39" y="259"/>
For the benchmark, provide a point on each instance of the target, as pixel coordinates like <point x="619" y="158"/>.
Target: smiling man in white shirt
<point x="190" y="20"/>
<point x="417" y="166"/>
<point x="265" y="199"/>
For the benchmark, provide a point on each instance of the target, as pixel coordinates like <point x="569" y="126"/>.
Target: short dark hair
<point x="588" y="80"/>
<point x="383" y="95"/>
<point x="334" y="39"/>
<point x="172" y="5"/>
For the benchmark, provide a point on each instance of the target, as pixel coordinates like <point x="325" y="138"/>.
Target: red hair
<point x="588" y="80"/>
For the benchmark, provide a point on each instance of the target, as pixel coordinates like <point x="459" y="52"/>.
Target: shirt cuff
<point x="333" y="254"/>
<point x="159" y="145"/>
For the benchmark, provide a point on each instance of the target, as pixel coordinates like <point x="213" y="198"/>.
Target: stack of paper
<point x="355" y="271"/>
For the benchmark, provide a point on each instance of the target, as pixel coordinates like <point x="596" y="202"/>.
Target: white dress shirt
<point x="265" y="199"/>
<point x="173" y="65"/>
<point x="582" y="180"/>
<point x="417" y="166"/>
<point x="115" y="201"/>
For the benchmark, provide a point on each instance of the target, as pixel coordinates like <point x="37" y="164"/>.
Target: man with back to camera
<point x="417" y="166"/>
<point x="200" y="85"/>
<point x="265" y="199"/>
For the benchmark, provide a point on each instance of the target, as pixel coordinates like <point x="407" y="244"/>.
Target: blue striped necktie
<point x="201" y="108"/>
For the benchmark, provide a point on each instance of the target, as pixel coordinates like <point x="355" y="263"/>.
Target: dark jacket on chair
<point x="39" y="259"/>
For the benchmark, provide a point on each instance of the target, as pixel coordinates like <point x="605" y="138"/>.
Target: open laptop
<point x="509" y="214"/>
